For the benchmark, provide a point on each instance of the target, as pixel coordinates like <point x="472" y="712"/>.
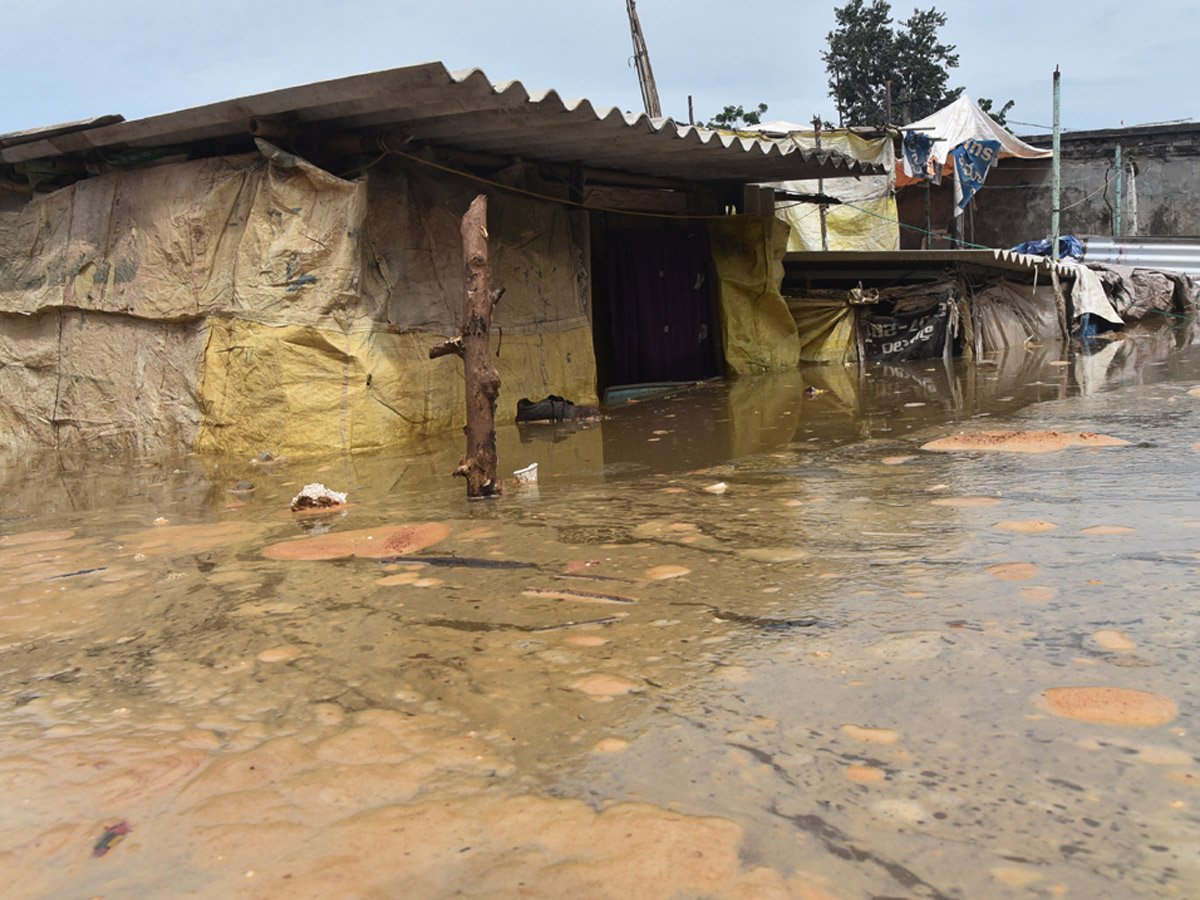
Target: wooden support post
<point x="822" y="208"/>
<point x="473" y="344"/>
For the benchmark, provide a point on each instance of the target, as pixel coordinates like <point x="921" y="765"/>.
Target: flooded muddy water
<point x="743" y="641"/>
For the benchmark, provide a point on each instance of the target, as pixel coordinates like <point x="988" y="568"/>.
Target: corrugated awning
<point x="464" y="110"/>
<point x="862" y="263"/>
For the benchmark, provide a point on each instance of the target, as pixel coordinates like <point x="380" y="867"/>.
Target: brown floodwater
<point x="740" y="641"/>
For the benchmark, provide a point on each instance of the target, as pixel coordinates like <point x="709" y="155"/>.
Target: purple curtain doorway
<point x="659" y="303"/>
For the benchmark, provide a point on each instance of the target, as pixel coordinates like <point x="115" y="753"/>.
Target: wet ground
<point x="744" y="641"/>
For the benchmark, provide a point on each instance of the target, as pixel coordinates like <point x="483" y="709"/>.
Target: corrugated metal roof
<point x="37" y="134"/>
<point x="1170" y="254"/>
<point x="466" y="111"/>
<point x="917" y="259"/>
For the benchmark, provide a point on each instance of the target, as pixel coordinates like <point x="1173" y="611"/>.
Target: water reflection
<point x="818" y="683"/>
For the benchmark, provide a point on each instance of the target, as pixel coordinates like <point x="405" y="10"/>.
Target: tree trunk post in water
<point x="473" y="344"/>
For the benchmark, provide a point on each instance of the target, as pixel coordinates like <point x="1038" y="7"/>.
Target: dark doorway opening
<point x="655" y="321"/>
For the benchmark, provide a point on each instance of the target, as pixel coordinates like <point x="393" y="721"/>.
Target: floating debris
<point x="317" y="496"/>
<point x="80" y="572"/>
<point x="582" y="596"/>
<point x="371" y="543"/>
<point x="773" y="554"/>
<point x="1108" y="529"/>
<point x="1111" y="639"/>
<point x="662" y="573"/>
<point x="604" y="685"/>
<point x="965" y="501"/>
<point x="401" y="578"/>
<point x="606" y="620"/>
<point x="1017" y="571"/>
<point x="611" y="745"/>
<point x="1014" y="877"/>
<point x="282" y="653"/>
<point x="767" y="622"/>
<point x="1109" y="706"/>
<point x="586" y="640"/>
<point x="895" y="810"/>
<point x="269" y="458"/>
<point x="719" y="488"/>
<point x="1038" y="593"/>
<point x="1021" y="441"/>
<point x="870" y="734"/>
<point x="585" y="576"/>
<point x="1191" y="779"/>
<point x="460" y="562"/>
<point x="1026" y="526"/>
<point x="865" y="774"/>
<point x="112" y="836"/>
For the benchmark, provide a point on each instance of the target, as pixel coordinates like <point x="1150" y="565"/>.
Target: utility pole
<point x="1120" y="167"/>
<point x="822" y="208"/>
<point x="1056" y="171"/>
<point x="837" y="75"/>
<point x="641" y="59"/>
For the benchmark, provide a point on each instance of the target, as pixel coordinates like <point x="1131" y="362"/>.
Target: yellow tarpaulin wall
<point x="869" y="224"/>
<point x="309" y="390"/>
<point x="257" y="301"/>
<point x="758" y="331"/>
<point x="868" y="220"/>
<point x="827" y="329"/>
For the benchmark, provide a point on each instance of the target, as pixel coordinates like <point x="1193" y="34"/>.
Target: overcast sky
<point x="63" y="60"/>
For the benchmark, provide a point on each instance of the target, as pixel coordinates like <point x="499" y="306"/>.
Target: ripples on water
<point x="826" y="685"/>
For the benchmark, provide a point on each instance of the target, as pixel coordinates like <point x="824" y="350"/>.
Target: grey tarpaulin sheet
<point x="1007" y="314"/>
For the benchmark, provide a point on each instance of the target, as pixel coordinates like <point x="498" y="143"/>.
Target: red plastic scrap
<point x="112" y="836"/>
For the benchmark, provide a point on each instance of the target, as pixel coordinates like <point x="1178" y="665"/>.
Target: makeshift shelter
<point x="863" y="213"/>
<point x="960" y="142"/>
<point x="908" y="305"/>
<point x="270" y="272"/>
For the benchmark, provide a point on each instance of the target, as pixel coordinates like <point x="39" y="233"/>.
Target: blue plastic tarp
<point x="1069" y="247"/>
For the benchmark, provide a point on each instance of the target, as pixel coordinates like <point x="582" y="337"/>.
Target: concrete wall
<point x="1160" y="190"/>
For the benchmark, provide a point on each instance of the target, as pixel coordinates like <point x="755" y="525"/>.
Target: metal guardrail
<point x="1168" y="254"/>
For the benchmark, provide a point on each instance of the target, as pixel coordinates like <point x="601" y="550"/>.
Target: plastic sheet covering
<point x="963" y="120"/>
<point x="1087" y="296"/>
<point x="1007" y="314"/>
<point x="827" y="329"/>
<point x="758" y="331"/>
<point x="1159" y="292"/>
<point x="299" y="389"/>
<point x="224" y="300"/>
<point x="76" y="380"/>
<point x="413" y="251"/>
<point x="868" y="221"/>
<point x="919" y="327"/>
<point x="1138" y="292"/>
<point x="272" y="241"/>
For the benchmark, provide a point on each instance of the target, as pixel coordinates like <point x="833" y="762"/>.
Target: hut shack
<point x="910" y="305"/>
<point x="271" y="271"/>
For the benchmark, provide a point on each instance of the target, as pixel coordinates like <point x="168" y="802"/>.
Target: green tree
<point x="922" y="63"/>
<point x="866" y="52"/>
<point x="860" y="60"/>
<point x="1001" y="115"/>
<point x="733" y="116"/>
